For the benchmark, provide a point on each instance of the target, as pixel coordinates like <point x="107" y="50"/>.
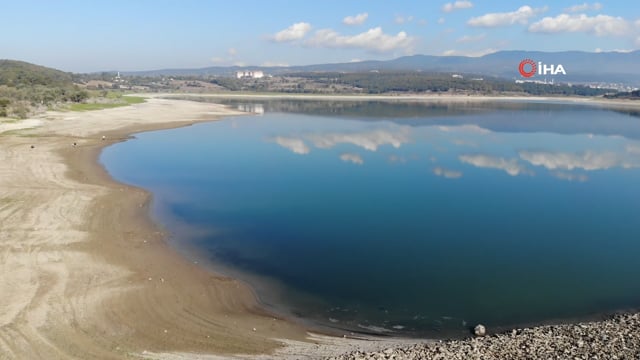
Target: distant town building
<point x="249" y="74"/>
<point x="252" y="108"/>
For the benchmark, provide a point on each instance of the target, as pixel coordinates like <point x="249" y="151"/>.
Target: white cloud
<point x="232" y="54"/>
<point x="355" y="20"/>
<point x="584" y="7"/>
<point x="587" y="160"/>
<point x="294" y="32"/>
<point x="448" y="174"/>
<point x="470" y="53"/>
<point x="470" y="38"/>
<point x="352" y="157"/>
<point x="600" y="25"/>
<point x="510" y="166"/>
<point x="295" y="145"/>
<point x="367" y="140"/>
<point x="568" y="176"/>
<point x="520" y="16"/>
<point x="373" y="39"/>
<point x="403" y="19"/>
<point x="461" y="4"/>
<point x="274" y="63"/>
<point x="441" y="20"/>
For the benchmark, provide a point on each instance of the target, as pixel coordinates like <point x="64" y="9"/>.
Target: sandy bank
<point x="85" y="274"/>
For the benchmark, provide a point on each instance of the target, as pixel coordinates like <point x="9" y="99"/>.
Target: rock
<point x="480" y="330"/>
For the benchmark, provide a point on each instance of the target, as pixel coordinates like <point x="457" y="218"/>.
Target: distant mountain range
<point x="610" y="67"/>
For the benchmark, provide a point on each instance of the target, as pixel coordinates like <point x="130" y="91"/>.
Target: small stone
<point x="254" y="329"/>
<point x="480" y="330"/>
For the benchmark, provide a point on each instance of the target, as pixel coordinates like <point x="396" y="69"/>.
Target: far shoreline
<point x="427" y="98"/>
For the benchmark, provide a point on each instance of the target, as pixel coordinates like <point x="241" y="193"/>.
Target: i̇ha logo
<point x="528" y="68"/>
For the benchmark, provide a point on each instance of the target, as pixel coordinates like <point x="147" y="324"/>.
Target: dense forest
<point x="399" y="82"/>
<point x="25" y="87"/>
<point x="632" y="95"/>
<point x="388" y="82"/>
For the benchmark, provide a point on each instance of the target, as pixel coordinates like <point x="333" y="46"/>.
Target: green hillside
<point x="19" y="73"/>
<point x="27" y="88"/>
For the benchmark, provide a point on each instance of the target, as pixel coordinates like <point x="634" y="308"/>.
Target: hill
<point x="25" y="88"/>
<point x="19" y="73"/>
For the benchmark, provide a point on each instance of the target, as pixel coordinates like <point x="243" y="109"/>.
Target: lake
<point x="416" y="219"/>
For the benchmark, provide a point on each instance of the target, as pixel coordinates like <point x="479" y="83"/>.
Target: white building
<point x="249" y="74"/>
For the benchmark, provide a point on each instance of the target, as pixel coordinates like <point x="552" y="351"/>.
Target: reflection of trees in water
<point x="630" y="112"/>
<point x="501" y="116"/>
<point x="391" y="108"/>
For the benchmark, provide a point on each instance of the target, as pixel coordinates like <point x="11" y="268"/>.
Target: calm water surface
<point x="406" y="218"/>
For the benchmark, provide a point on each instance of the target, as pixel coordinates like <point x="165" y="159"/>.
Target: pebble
<point x="594" y="340"/>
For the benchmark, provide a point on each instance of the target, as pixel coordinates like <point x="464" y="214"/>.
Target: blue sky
<point x="87" y="36"/>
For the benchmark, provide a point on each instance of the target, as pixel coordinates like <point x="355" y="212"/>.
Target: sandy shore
<point x="86" y="274"/>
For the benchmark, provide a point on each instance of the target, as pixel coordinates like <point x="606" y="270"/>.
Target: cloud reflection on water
<point x="352" y="157"/>
<point x="569" y="176"/>
<point x="510" y="166"/>
<point x="588" y="160"/>
<point x="296" y="145"/>
<point x="514" y="161"/>
<point x="369" y="140"/>
<point x="446" y="173"/>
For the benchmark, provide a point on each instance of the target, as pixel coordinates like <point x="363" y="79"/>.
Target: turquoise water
<point x="406" y="219"/>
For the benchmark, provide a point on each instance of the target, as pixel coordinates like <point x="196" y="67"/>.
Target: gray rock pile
<point x="614" y="338"/>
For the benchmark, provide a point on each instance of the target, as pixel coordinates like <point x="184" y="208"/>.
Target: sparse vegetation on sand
<point x="101" y="104"/>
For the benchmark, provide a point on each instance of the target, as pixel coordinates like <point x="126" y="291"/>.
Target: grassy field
<point x="120" y="101"/>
